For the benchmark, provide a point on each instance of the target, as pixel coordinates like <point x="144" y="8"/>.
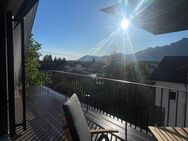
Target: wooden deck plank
<point x="170" y="133"/>
<point x="183" y="132"/>
<point x="156" y="133"/>
<point x="44" y="123"/>
<point x="106" y="122"/>
<point x="164" y="135"/>
<point x="170" y="136"/>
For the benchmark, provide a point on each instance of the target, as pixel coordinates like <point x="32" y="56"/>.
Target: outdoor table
<point x="170" y="133"/>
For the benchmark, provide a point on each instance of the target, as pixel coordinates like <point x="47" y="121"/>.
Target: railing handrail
<point x="119" y="81"/>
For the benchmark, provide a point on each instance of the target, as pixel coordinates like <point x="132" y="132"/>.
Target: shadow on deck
<point x="44" y="109"/>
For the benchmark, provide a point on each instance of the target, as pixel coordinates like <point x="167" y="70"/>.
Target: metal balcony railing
<point x="139" y="105"/>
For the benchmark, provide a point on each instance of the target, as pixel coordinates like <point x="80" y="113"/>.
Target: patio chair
<point x="75" y="124"/>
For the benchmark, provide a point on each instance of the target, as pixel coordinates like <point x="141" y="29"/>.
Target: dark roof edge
<point x="24" y="9"/>
<point x="32" y="22"/>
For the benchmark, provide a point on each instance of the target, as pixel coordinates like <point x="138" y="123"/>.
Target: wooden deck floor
<point x="44" y="109"/>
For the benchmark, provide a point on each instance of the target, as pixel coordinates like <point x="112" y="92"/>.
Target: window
<point x="172" y="95"/>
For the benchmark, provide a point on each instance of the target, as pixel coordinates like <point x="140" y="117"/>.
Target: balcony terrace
<point x="107" y="103"/>
<point x="127" y="106"/>
<point x="44" y="110"/>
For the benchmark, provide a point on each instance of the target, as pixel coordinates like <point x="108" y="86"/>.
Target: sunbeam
<point x="125" y="25"/>
<point x="129" y="41"/>
<point x="104" y="42"/>
<point x="142" y="5"/>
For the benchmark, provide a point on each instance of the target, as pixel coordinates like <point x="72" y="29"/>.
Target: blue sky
<point x="73" y="28"/>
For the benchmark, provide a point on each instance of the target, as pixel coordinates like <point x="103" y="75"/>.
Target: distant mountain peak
<point x="179" y="48"/>
<point x="184" y="39"/>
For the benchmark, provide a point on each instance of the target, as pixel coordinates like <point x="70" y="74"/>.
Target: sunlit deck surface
<point x="44" y="110"/>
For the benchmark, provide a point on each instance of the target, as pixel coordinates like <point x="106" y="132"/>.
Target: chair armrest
<point x="97" y="131"/>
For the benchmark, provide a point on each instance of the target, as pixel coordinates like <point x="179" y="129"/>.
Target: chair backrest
<point x="76" y="121"/>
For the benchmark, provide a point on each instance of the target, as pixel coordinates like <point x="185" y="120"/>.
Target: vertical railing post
<point x="87" y="102"/>
<point x="185" y="113"/>
<point x="177" y="99"/>
<point x="168" y="108"/>
<point x="125" y="113"/>
<point x="126" y="130"/>
<point x="90" y="93"/>
<point x="104" y="95"/>
<point x="161" y="104"/>
<point x="74" y="84"/>
<point x="107" y="96"/>
<point x="78" y="80"/>
<point x="122" y="101"/>
<point x="97" y="93"/>
<point x="86" y="92"/>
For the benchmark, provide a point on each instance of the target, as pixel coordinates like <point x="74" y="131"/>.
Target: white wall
<point x="172" y="111"/>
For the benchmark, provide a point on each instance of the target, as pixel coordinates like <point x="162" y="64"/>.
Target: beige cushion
<point x="76" y="120"/>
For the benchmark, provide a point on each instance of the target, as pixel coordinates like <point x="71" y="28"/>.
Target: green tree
<point x="32" y="63"/>
<point x="114" y="68"/>
<point x="48" y="58"/>
<point x="55" y="59"/>
<point x="64" y="61"/>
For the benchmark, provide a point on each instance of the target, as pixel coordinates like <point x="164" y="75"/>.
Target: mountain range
<point x="179" y="48"/>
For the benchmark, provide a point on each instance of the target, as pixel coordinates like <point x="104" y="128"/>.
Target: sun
<point x="125" y="24"/>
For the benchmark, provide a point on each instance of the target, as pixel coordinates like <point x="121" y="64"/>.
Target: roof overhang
<point x="28" y="23"/>
<point x="20" y="8"/>
<point x="157" y="17"/>
<point x="3" y="4"/>
<point x="24" y="10"/>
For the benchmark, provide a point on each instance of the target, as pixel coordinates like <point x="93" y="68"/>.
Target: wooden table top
<point x="170" y="133"/>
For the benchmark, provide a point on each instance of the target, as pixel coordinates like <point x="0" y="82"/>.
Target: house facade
<point x="171" y="95"/>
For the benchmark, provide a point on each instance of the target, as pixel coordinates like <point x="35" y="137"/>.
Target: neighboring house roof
<point x="172" y="69"/>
